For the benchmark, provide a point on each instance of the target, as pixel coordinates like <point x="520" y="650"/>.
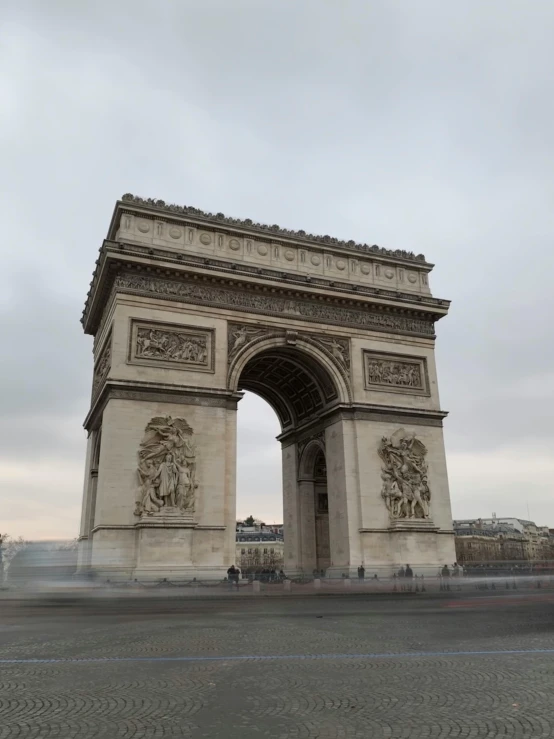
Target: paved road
<point x="328" y="667"/>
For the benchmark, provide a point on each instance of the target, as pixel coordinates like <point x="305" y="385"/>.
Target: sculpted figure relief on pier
<point x="404" y="473"/>
<point x="167" y="467"/>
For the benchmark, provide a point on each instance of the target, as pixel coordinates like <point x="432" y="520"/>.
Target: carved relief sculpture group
<point x="171" y="346"/>
<point x="167" y="468"/>
<point x="399" y="374"/>
<point x="404" y="474"/>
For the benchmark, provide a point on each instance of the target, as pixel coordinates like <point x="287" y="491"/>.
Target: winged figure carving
<point x="166" y="467"/>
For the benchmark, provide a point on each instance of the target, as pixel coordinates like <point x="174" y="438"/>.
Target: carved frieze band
<point x="395" y="373"/>
<point x="102" y="366"/>
<point x="171" y="345"/>
<point x="273" y="305"/>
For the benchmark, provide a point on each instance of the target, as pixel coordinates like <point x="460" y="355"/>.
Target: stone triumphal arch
<point x="188" y="309"/>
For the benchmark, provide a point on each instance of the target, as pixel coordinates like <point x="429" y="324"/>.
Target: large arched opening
<point x="301" y="385"/>
<point x="259" y="473"/>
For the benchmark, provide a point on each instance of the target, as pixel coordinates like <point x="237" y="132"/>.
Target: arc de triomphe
<point x="187" y="310"/>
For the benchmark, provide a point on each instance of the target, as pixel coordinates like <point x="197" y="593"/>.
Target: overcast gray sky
<point x="425" y="126"/>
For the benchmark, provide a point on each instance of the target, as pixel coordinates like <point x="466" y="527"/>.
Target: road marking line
<point x="275" y="657"/>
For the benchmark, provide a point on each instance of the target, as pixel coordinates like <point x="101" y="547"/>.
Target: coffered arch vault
<point x="298" y="380"/>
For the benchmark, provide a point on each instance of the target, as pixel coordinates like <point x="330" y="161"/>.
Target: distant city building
<point x="499" y="539"/>
<point x="255" y="524"/>
<point x="495" y="539"/>
<point x="250" y="524"/>
<point x="275" y="528"/>
<point x="259" y="548"/>
<point x="537" y="538"/>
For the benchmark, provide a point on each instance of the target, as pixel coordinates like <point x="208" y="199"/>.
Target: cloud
<point x="420" y="126"/>
<point x="48" y="365"/>
<point x="499" y="482"/>
<point x="40" y="499"/>
<point x="259" y="477"/>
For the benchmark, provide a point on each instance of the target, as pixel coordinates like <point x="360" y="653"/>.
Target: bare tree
<point x="69" y="546"/>
<point x="9" y="547"/>
<point x="274" y="560"/>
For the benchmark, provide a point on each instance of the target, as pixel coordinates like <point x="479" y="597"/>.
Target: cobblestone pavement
<point x="328" y="667"/>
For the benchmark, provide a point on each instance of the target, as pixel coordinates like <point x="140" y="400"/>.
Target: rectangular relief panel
<point x="395" y="373"/>
<point x="172" y="346"/>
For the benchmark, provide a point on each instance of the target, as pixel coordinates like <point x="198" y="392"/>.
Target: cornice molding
<point x="128" y="253"/>
<point x="153" y="524"/>
<point x="387" y="414"/>
<point x="364" y="412"/>
<point x="157" y="393"/>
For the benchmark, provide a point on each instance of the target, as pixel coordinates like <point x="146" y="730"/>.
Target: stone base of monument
<point x="413" y="524"/>
<point x="166" y="518"/>
<point x="167" y="549"/>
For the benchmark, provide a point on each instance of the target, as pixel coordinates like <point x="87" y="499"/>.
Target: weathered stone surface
<point x="180" y="341"/>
